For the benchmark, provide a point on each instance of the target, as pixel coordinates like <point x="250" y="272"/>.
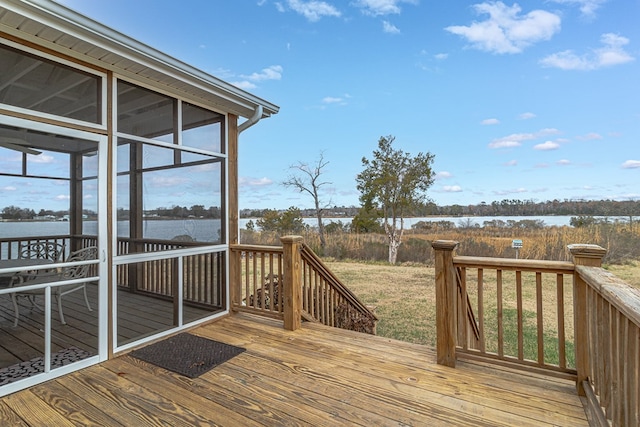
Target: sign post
<point x="516" y="244"/>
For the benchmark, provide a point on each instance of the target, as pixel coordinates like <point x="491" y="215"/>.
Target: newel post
<point x="292" y="280"/>
<point x="446" y="322"/>
<point x="591" y="256"/>
<point x="235" y="279"/>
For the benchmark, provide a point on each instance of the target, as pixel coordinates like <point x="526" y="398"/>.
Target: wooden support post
<point x="446" y="301"/>
<point x="235" y="279"/>
<point x="292" y="263"/>
<point x="588" y="255"/>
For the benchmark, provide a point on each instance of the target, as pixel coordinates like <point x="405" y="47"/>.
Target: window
<point x="175" y="199"/>
<point x="202" y="128"/>
<point x="142" y="112"/>
<point x="34" y="83"/>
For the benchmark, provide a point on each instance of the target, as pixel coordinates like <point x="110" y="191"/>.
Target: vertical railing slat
<point x="481" y="308"/>
<point x="540" y="320"/>
<point x="519" y="315"/>
<point x="562" y="340"/>
<point x="500" y="314"/>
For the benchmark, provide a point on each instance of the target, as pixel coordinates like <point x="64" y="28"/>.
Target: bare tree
<point x="306" y="178"/>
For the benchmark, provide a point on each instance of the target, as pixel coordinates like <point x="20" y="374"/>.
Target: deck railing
<point x="201" y="277"/>
<point x="572" y="320"/>
<point x="260" y="278"/>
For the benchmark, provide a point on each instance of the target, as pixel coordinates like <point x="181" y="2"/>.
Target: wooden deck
<point x="139" y="315"/>
<point x="313" y="376"/>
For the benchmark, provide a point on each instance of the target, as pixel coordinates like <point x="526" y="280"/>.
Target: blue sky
<point x="535" y="100"/>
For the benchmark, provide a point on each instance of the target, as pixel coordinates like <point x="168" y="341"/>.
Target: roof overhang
<point x="58" y="28"/>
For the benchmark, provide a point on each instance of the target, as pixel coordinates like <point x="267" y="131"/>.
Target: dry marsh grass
<point x="546" y="243"/>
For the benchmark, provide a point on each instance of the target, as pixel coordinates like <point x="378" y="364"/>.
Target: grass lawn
<point x="630" y="272"/>
<point x="404" y="296"/>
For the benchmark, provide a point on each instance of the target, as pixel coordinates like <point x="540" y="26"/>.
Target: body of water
<point x="208" y="230"/>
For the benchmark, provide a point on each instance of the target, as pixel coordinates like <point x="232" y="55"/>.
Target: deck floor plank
<point x="72" y="406"/>
<point x="313" y="376"/>
<point x="35" y="411"/>
<point x="9" y="417"/>
<point x="376" y="372"/>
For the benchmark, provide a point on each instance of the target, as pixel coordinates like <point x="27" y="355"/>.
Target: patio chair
<point x="37" y="251"/>
<point x="51" y="251"/>
<point x="46" y="276"/>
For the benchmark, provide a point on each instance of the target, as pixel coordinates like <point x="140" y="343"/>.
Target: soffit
<point x="56" y="27"/>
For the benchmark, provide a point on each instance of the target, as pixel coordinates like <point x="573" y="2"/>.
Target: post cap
<point x="446" y="245"/>
<point x="291" y="239"/>
<point x="587" y="251"/>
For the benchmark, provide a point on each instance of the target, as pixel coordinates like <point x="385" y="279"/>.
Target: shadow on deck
<point x="313" y="376"/>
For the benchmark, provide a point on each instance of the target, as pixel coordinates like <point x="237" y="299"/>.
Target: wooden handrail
<point x="624" y="297"/>
<point x="258" y="272"/>
<point x="606" y="323"/>
<point x="515" y="264"/>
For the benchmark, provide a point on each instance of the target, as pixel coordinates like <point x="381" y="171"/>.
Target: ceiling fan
<point x="18" y="145"/>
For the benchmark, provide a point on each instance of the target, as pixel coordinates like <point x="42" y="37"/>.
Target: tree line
<point x="195" y="211"/>
<point x="506" y="207"/>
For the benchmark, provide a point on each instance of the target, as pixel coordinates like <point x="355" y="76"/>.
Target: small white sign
<point x="516" y="243"/>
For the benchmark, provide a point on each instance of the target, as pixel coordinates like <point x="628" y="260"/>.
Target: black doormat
<point x="187" y="354"/>
<point x="36" y="366"/>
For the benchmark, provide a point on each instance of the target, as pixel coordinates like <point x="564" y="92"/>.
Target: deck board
<point x="313" y="376"/>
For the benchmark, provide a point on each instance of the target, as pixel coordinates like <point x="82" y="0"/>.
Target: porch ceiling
<point x="56" y="27"/>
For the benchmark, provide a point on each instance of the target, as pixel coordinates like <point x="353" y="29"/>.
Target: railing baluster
<point x="605" y="397"/>
<point x="539" y="313"/>
<point x="562" y="356"/>
<point x="519" y="315"/>
<point x="462" y="310"/>
<point x="500" y="313"/>
<point x="481" y="308"/>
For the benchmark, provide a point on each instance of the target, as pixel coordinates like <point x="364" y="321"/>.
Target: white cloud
<point x="62" y="197"/>
<point x="510" y="191"/>
<point x="254" y="182"/>
<point x="612" y="53"/>
<point x="547" y="146"/>
<point x="526" y="116"/>
<point x="312" y="10"/>
<point x="168" y="181"/>
<point x="273" y="72"/>
<point x="8" y="188"/>
<point x="590" y="136"/>
<point x="516" y="139"/>
<point x="443" y="175"/>
<point x="246" y="85"/>
<point x="507" y="30"/>
<point x="382" y="7"/>
<point x="441" y="56"/>
<point x="504" y="144"/>
<point x="41" y="158"/>
<point x="631" y="164"/>
<point x="490" y="122"/>
<point x="511" y="163"/>
<point x="331" y="100"/>
<point x="587" y="7"/>
<point x="389" y="28"/>
<point x="563" y="162"/>
<point x="452" y="188"/>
